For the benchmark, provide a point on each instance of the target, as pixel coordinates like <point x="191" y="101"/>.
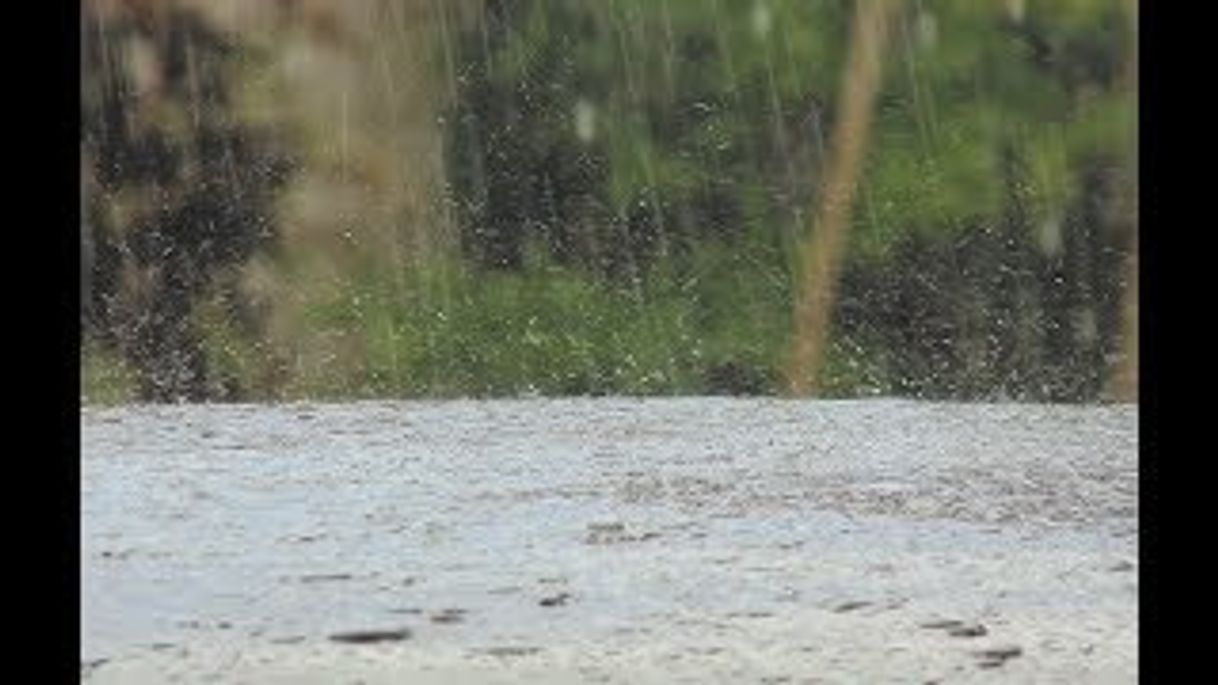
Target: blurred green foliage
<point x="704" y="119"/>
<point x="639" y="136"/>
<point x="630" y="181"/>
<point x="549" y="329"/>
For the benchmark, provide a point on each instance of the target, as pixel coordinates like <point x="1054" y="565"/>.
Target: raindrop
<point x="762" y="19"/>
<point x="928" y="30"/>
<point x="1088" y="329"/>
<point x="585" y="120"/>
<point x="1016" y="10"/>
<point x="1051" y="236"/>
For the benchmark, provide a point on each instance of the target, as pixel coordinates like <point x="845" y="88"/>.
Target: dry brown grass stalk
<point x="823" y="254"/>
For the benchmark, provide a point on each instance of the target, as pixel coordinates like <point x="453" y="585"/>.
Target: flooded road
<point x="610" y="540"/>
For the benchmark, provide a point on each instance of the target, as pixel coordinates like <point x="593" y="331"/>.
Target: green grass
<point x="556" y="331"/>
<point x="105" y="379"/>
<point x="719" y="323"/>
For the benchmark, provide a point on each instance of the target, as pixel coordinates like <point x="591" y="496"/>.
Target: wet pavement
<point x="610" y="540"/>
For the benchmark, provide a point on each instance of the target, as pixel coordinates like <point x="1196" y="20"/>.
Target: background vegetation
<point x="495" y="197"/>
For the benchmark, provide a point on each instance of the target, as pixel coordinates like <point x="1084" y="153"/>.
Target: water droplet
<point x="585" y="120"/>
<point x="762" y="19"/>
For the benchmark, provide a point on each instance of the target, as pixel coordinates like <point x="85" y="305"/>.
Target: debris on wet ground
<point x="555" y="600"/>
<point x="942" y="624"/>
<point x="451" y="615"/>
<point x="971" y="630"/>
<point x="305" y="538"/>
<point x="508" y="651"/>
<point x="957" y="628"/>
<point x="87" y="666"/>
<point x="120" y="555"/>
<point x="371" y="636"/>
<point x="750" y="614"/>
<point x="325" y="577"/>
<point x="995" y="657"/>
<point x="614" y="533"/>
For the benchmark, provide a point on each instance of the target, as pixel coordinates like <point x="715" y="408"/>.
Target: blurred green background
<point x="303" y="199"/>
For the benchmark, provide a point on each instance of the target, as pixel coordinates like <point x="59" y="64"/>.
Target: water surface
<point x="538" y="523"/>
